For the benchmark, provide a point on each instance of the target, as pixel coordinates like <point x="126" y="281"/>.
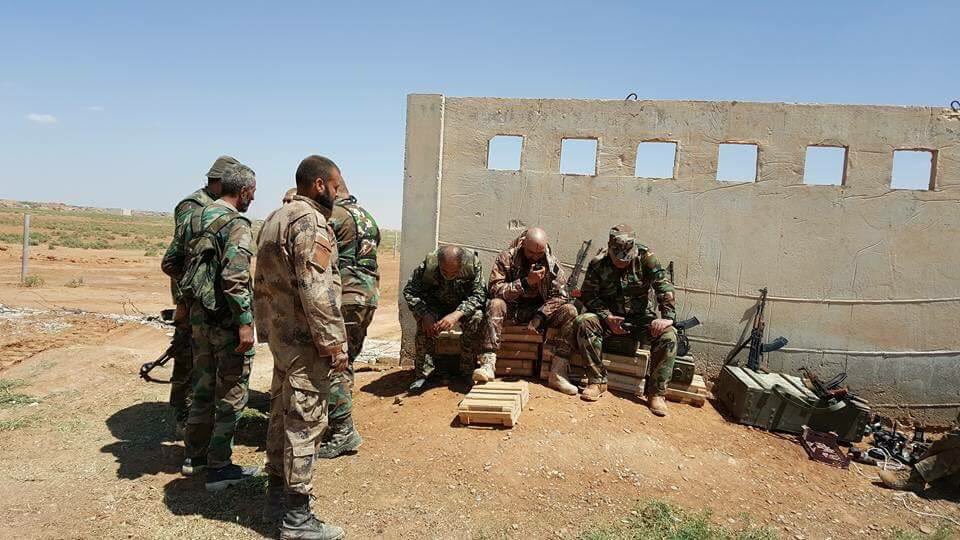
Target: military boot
<point x="343" y="438"/>
<point x="273" y="509"/>
<point x="658" y="405"/>
<point x="903" y="480"/>
<point x="593" y="392"/>
<point x="487" y="370"/>
<point x="558" y="377"/>
<point x="300" y="524"/>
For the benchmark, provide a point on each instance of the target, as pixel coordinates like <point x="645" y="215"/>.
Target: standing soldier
<point x="447" y="288"/>
<point x="615" y="291"/>
<point x="298" y="311"/>
<point x="526" y="287"/>
<point x="216" y="283"/>
<point x="358" y="238"/>
<point x="173" y="266"/>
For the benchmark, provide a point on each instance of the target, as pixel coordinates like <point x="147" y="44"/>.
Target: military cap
<point x="220" y="166"/>
<point x="623" y="243"/>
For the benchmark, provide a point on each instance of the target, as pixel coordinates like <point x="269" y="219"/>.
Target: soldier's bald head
<point x="535" y="243"/>
<point x="450" y="259"/>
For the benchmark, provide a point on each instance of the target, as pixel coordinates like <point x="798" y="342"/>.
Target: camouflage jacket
<point x="625" y="293"/>
<point x="507" y="283"/>
<point x="298" y="283"/>
<point x="358" y="238"/>
<point x="173" y="260"/>
<point x="234" y="283"/>
<point x="427" y="291"/>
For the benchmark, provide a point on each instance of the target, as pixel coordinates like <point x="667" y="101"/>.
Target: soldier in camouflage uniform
<point x="446" y="289"/>
<point x="172" y="265"/>
<point x="526" y="287"/>
<point x="221" y="314"/>
<point x="616" y="290"/>
<point x="298" y="313"/>
<point x="358" y="238"/>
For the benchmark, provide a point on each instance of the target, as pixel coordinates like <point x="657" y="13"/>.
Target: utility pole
<point x="24" y="264"/>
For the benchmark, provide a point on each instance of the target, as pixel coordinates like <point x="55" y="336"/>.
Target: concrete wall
<point x="863" y="278"/>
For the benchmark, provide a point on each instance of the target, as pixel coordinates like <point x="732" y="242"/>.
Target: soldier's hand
<point x="533" y="327"/>
<point x="340" y="362"/>
<point x="614" y="323"/>
<point x="428" y="323"/>
<point x="246" y="338"/>
<point x="449" y="321"/>
<point x="659" y="326"/>
<point x="534" y="277"/>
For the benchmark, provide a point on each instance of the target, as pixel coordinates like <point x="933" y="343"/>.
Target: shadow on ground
<point x="147" y="445"/>
<point x="241" y="504"/>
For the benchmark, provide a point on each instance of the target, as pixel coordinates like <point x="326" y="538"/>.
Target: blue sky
<point x="126" y="105"/>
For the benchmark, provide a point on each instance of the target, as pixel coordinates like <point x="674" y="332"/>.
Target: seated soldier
<point x="616" y="291"/>
<point x="446" y="289"/>
<point x="939" y="464"/>
<point x="526" y="288"/>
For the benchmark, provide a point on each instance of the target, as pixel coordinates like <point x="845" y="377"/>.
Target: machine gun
<point x="178" y="342"/>
<point x="573" y="282"/>
<point x="755" y="341"/>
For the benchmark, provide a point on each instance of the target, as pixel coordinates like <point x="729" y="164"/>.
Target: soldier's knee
<point x="587" y="322"/>
<point x="496" y="307"/>
<point x="567" y="312"/>
<point x="669" y="336"/>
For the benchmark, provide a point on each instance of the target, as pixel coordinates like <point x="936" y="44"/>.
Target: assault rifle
<point x="755" y="341"/>
<point x="572" y="287"/>
<point x="178" y="342"/>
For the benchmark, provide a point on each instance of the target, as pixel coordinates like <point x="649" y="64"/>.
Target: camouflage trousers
<point x="221" y="382"/>
<point x="180" y="379"/>
<point x="298" y="413"/>
<point x="499" y="312"/>
<point x="942" y="461"/>
<point x="357" y="319"/>
<point x="472" y="328"/>
<point x="591" y="331"/>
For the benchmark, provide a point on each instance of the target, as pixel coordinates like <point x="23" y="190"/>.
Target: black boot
<point x="273" y="509"/>
<point x="343" y="439"/>
<point x="300" y="524"/>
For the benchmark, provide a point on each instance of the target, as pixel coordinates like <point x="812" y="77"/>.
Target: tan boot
<point x="487" y="370"/>
<point x="558" y="377"/>
<point x="903" y="480"/>
<point x="658" y="405"/>
<point x="593" y="392"/>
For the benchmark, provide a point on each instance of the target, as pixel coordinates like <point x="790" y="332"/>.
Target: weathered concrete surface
<point x="863" y="278"/>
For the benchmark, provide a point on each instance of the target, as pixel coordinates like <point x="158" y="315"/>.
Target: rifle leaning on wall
<point x="757" y="347"/>
<point x="573" y="282"/>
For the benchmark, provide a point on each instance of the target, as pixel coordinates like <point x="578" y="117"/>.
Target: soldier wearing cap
<point x="173" y="266"/>
<point x="615" y="291"/>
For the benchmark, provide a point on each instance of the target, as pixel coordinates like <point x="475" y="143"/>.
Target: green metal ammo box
<point x="683" y="370"/>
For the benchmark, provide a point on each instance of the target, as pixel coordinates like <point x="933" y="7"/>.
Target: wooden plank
<point x="524" y="338"/>
<point x="693" y="398"/>
<point x="517" y="355"/>
<point x="698" y="386"/>
<point x="519" y="346"/>
<point x="521" y="387"/>
<point x="483" y="405"/>
<point x="483" y="417"/>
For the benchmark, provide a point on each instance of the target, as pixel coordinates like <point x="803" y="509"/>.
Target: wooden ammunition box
<point x="448" y="343"/>
<point x="497" y="403"/>
<point x="694" y="393"/>
<point x="507" y="367"/>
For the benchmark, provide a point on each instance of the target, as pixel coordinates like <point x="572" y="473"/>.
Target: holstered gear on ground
<point x="558" y="376"/>
<point x="487" y="370"/>
<point x="300" y="524"/>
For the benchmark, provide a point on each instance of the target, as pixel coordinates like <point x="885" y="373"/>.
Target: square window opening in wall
<point x="503" y="152"/>
<point x="825" y="166"/>
<point x="913" y="169"/>
<point x="655" y="159"/>
<point x="578" y="156"/>
<point x="737" y="162"/>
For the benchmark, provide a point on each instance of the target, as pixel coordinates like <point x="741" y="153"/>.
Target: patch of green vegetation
<point x="33" y="282"/>
<point x="942" y="533"/>
<point x="16" y="423"/>
<point x="9" y="398"/>
<point x="658" y="520"/>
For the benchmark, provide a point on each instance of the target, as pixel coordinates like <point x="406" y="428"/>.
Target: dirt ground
<point x="88" y="451"/>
